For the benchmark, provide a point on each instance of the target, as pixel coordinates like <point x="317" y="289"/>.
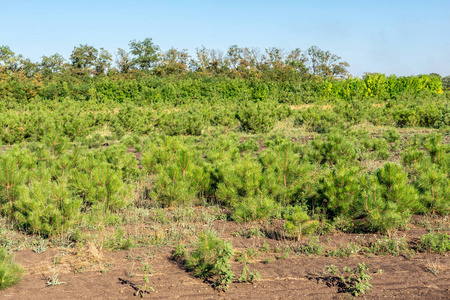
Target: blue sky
<point x="393" y="37"/>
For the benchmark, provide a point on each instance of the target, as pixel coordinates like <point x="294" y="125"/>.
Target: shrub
<point x="319" y="120"/>
<point x="336" y="148"/>
<point x="396" y="188"/>
<point x="47" y="208"/>
<point x="388" y="200"/>
<point x="210" y="257"/>
<point x="181" y="181"/>
<point x="298" y="222"/>
<point x="99" y="183"/>
<point x="340" y="189"/>
<point x="285" y="177"/>
<point x="435" y="241"/>
<point x="392" y="246"/>
<point x="435" y="147"/>
<point x="434" y="186"/>
<point x="10" y="271"/>
<point x="412" y="156"/>
<point x="354" y="281"/>
<point x="260" y="117"/>
<point x="238" y="179"/>
<point x="11" y="177"/>
<point x="181" y="123"/>
<point x="255" y="208"/>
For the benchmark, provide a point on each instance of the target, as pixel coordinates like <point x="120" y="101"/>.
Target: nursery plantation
<point x="161" y="168"/>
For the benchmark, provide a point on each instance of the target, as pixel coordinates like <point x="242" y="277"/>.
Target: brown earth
<point x="89" y="273"/>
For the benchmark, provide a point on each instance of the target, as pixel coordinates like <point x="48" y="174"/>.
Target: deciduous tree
<point x="145" y="54"/>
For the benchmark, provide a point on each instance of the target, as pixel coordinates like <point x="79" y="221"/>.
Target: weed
<point x="265" y="247"/>
<point x="147" y="267"/>
<point x="312" y="248"/>
<point x="434" y="267"/>
<point x="347" y="251"/>
<point x="145" y="288"/>
<point x="118" y="241"/>
<point x="353" y="281"/>
<point x="53" y="280"/>
<point x="435" y="241"/>
<point x="40" y="246"/>
<point x="392" y="246"/>
<point x="285" y="254"/>
<point x="269" y="260"/>
<point x="247" y="276"/>
<point x="249" y="233"/>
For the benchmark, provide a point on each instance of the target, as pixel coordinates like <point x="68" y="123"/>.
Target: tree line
<point x="148" y="57"/>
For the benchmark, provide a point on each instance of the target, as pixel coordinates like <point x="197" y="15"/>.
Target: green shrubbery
<point x="87" y="147"/>
<point x="435" y="241"/>
<point x="209" y="258"/>
<point x="10" y="271"/>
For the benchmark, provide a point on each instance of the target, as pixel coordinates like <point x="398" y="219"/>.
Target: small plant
<point x="353" y="281"/>
<point x="285" y="253"/>
<point x="351" y="249"/>
<point x="146" y="267"/>
<point x="392" y="246"/>
<point x="247" y="276"/>
<point x="435" y="241"/>
<point x="40" y="246"/>
<point x="53" y="279"/>
<point x="298" y="223"/>
<point x="117" y="241"/>
<point x="225" y="278"/>
<point x="255" y="208"/>
<point x="392" y="136"/>
<point x="268" y="260"/>
<point x="249" y="233"/>
<point x="209" y="258"/>
<point x="10" y="271"/>
<point x="265" y="247"/>
<point x="312" y="248"/>
<point x="433" y="267"/>
<point x="145" y="288"/>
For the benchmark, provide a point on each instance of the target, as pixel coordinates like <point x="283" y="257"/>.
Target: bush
<point x="319" y="120"/>
<point x="434" y="186"/>
<point x="435" y="241"/>
<point x="238" y="179"/>
<point x="353" y="281"/>
<point x="340" y="189"/>
<point x="286" y="178"/>
<point x="298" y="222"/>
<point x="99" y="184"/>
<point x="260" y="117"/>
<point x="255" y="208"/>
<point x="10" y="272"/>
<point x="210" y="257"/>
<point x="11" y="177"/>
<point x="47" y="208"/>
<point x="181" y="123"/>
<point x="336" y="148"/>
<point x="180" y="181"/>
<point x="387" y="199"/>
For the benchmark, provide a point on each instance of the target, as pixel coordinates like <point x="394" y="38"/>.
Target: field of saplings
<point x="201" y="164"/>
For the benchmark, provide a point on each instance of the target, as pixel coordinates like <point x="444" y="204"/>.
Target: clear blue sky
<point x="403" y="37"/>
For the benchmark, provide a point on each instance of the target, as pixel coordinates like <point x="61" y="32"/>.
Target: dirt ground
<point x="90" y="273"/>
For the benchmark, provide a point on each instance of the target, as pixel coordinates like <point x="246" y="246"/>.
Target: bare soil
<point x="90" y="273"/>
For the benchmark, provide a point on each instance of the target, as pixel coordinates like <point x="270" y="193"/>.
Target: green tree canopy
<point x="145" y="54"/>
